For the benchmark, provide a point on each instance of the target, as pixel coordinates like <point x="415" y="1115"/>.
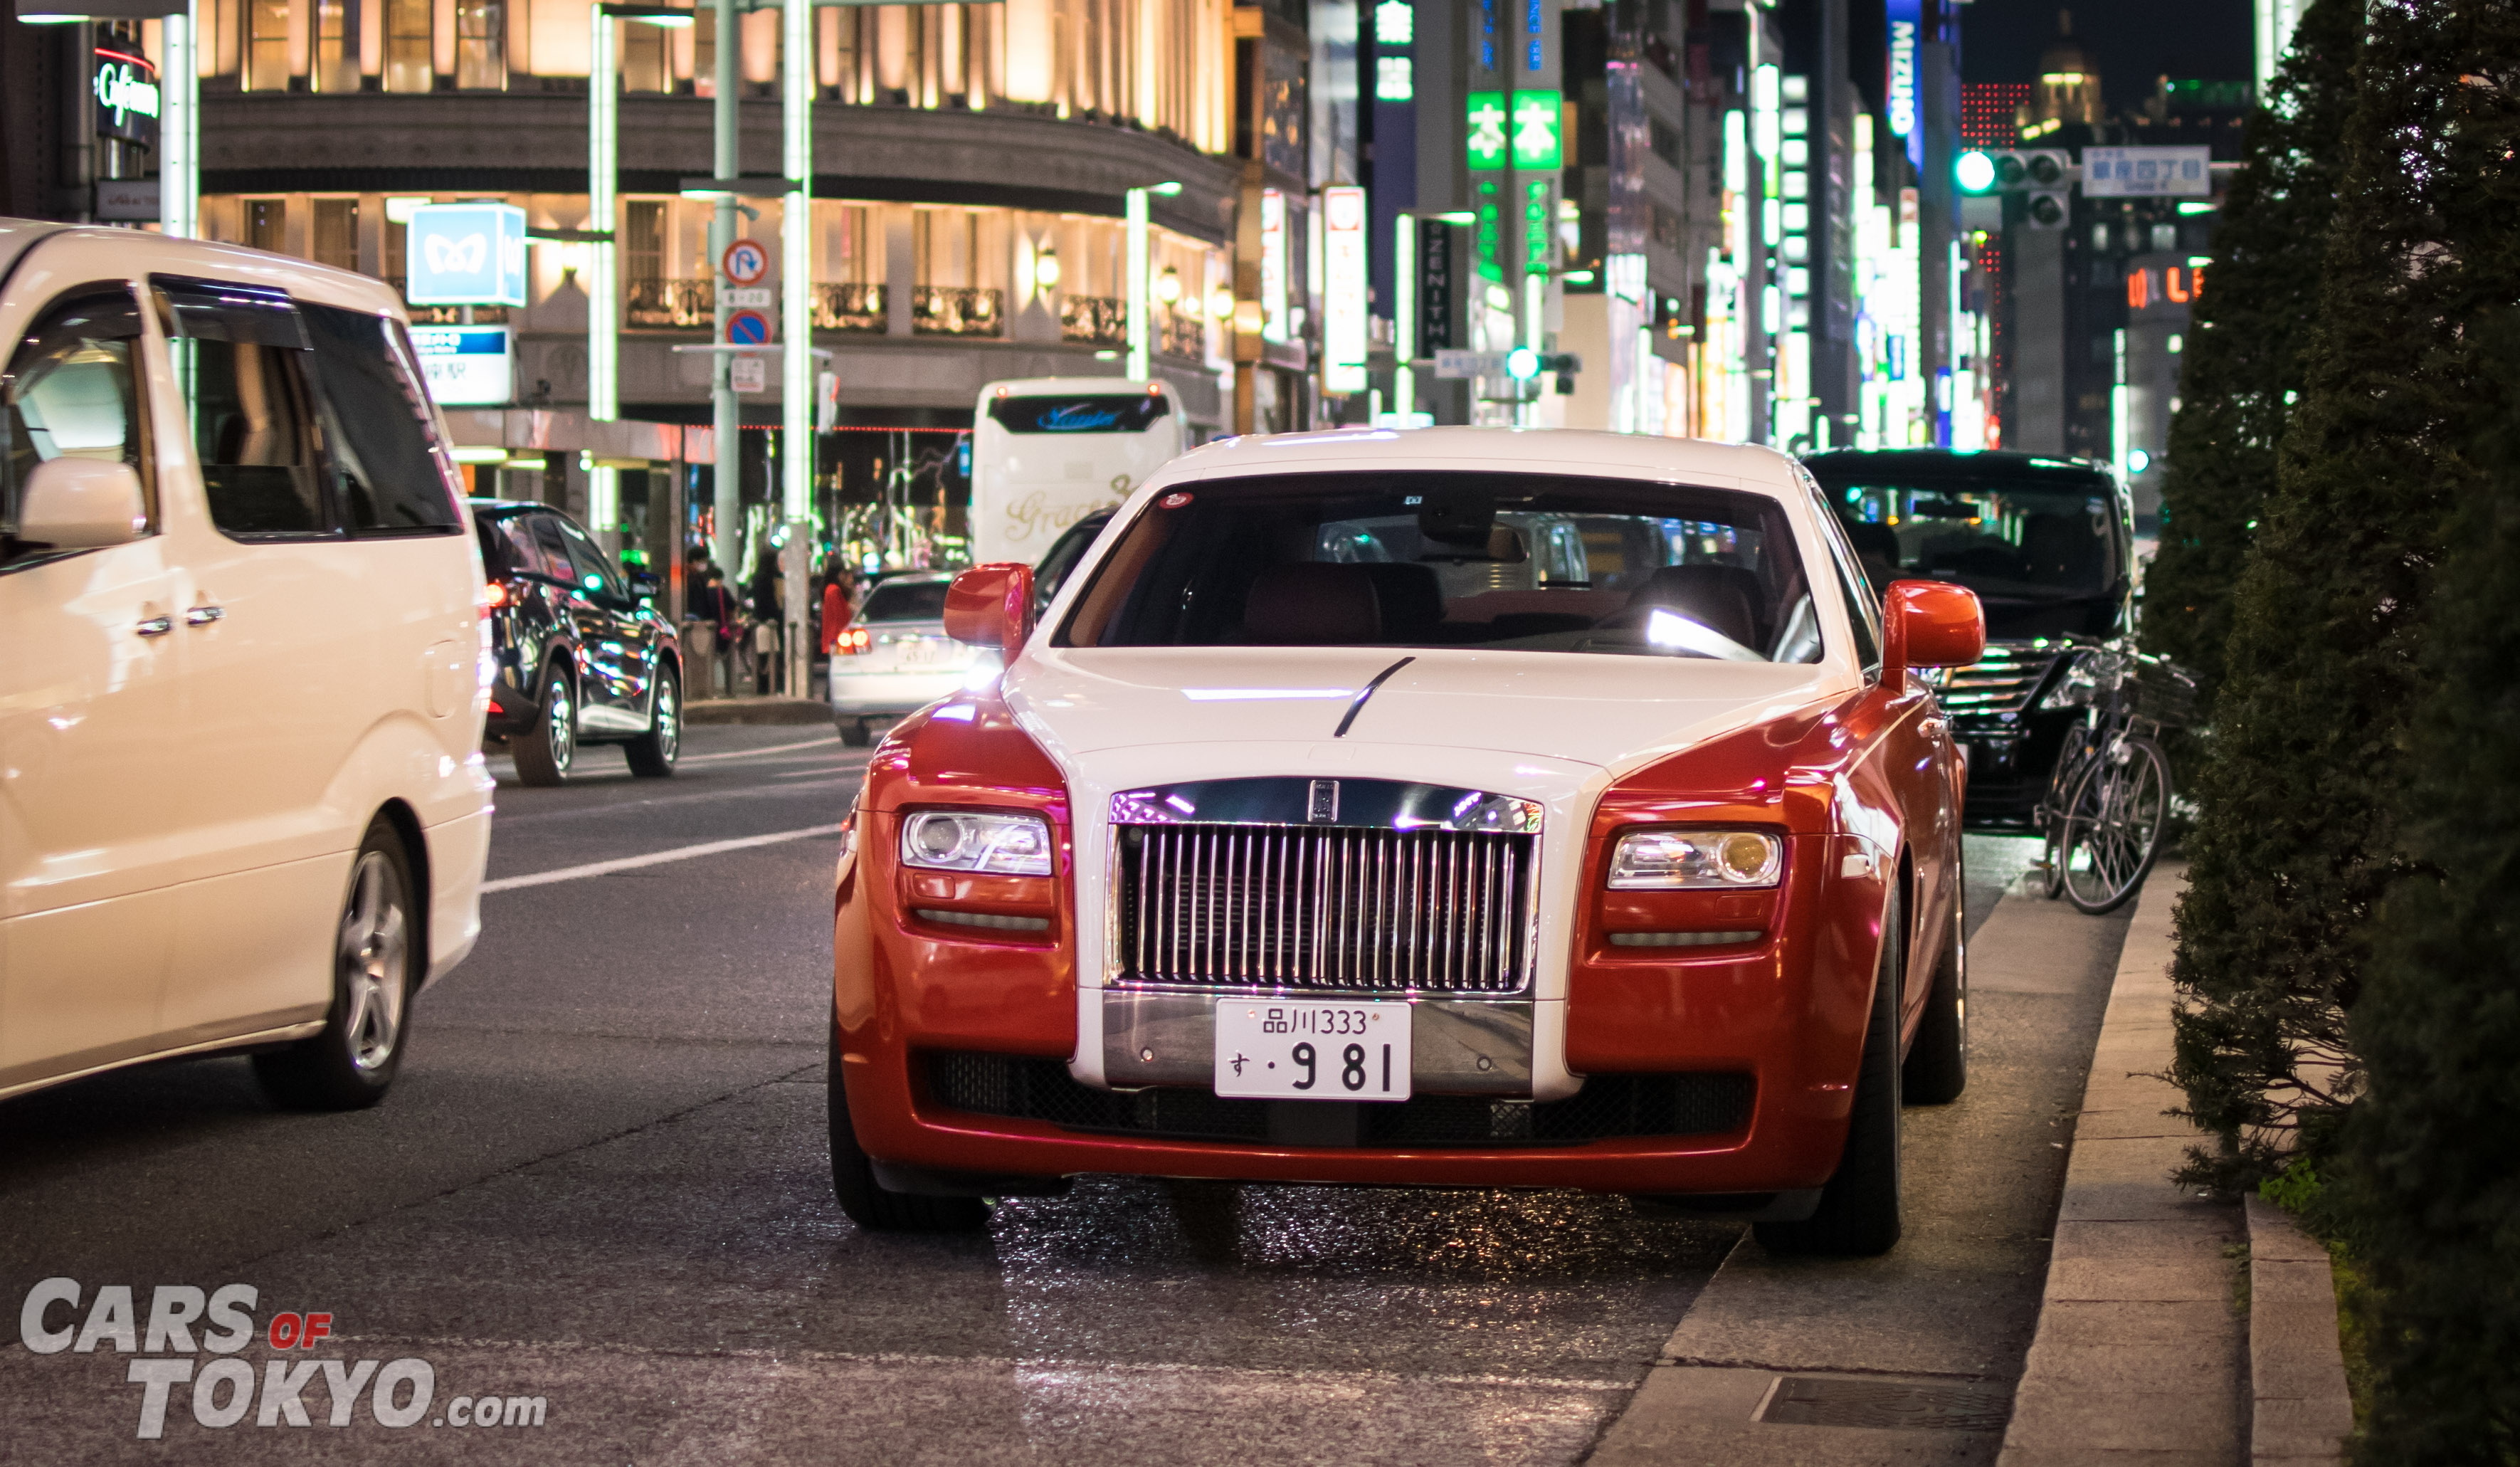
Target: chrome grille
<point x="2000" y="682"/>
<point x="1339" y="907"/>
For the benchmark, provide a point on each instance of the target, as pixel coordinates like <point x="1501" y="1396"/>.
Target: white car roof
<point x="1697" y="461"/>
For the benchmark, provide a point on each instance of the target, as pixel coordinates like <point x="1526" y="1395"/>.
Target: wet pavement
<point x="602" y="1185"/>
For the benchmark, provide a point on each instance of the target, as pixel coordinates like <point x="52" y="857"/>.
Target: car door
<point x="615" y="644"/>
<point x="93" y="787"/>
<point x="306" y="640"/>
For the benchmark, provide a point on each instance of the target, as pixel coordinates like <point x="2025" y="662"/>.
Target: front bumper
<point x="1735" y="1065"/>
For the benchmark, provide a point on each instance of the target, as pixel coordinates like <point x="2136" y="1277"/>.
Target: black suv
<point x="582" y="657"/>
<point x="2047" y="543"/>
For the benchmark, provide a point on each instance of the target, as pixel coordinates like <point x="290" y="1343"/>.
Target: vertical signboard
<point x="1435" y="286"/>
<point x="1905" y="21"/>
<point x="464" y="366"/>
<point x="1539" y="130"/>
<point x="1343" y="277"/>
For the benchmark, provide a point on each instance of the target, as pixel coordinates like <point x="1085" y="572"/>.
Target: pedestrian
<point x="716" y="606"/>
<point x="769" y="610"/>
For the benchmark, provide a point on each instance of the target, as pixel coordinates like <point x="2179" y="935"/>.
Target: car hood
<point x="1608" y="711"/>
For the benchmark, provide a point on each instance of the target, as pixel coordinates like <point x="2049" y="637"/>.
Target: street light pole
<point x="796" y="326"/>
<point x="179" y="128"/>
<point x="1135" y="249"/>
<point x="727" y="469"/>
<point x="602" y="285"/>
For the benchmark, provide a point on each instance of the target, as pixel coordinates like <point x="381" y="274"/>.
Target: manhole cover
<point x="1834" y="1401"/>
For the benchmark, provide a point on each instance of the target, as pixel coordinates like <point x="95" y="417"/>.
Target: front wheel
<point x="2112" y="828"/>
<point x="351" y="1064"/>
<point x="652" y="753"/>
<point x="1858" y="1209"/>
<point x="869" y="1203"/>
<point x="1937" y="1068"/>
<point x="854" y="732"/>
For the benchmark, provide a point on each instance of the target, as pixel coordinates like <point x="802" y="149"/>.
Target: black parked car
<point x="582" y="656"/>
<point x="2047" y="543"/>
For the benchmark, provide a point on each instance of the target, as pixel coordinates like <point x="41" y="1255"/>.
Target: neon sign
<point x="126" y="97"/>
<point x="2172" y="285"/>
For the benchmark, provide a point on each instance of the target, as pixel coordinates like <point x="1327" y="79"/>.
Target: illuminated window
<point x="337" y="48"/>
<point x="266" y="66"/>
<point x="481" y="45"/>
<point x="407" y="37"/>
<point x="1394" y="23"/>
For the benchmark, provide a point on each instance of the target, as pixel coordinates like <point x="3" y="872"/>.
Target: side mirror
<point x="1929" y="623"/>
<point x="82" y="504"/>
<point x="990" y="605"/>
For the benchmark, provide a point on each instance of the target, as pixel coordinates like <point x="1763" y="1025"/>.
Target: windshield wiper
<point x="1367" y="691"/>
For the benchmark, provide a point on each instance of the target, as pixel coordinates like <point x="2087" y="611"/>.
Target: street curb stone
<point x="2301" y="1412"/>
<point x="2140" y="1355"/>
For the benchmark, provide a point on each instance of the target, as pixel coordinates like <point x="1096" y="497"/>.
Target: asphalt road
<point x="601" y="1184"/>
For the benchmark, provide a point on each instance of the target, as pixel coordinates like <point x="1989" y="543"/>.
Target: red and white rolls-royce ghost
<point x="1453" y="806"/>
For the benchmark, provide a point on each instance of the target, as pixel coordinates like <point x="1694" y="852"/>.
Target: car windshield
<point x="905" y="601"/>
<point x="1525" y="562"/>
<point x="2041" y="548"/>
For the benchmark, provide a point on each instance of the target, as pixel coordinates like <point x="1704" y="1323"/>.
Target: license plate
<point x="915" y="652"/>
<point x="1312" y="1050"/>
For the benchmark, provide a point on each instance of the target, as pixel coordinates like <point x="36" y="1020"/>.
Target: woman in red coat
<point x="837" y="609"/>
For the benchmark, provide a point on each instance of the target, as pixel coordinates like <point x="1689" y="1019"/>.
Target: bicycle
<point x="2110" y="800"/>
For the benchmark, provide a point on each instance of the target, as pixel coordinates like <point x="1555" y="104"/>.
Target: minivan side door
<point x="93" y="789"/>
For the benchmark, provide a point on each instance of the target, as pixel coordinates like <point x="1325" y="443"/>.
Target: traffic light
<point x="2042" y="175"/>
<point x="1523" y="364"/>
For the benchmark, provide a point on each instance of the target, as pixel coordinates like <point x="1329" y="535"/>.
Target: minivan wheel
<point x="652" y="753"/>
<point x="546" y="752"/>
<point x="854" y="732"/>
<point x="1858" y="1209"/>
<point x="351" y="1064"/>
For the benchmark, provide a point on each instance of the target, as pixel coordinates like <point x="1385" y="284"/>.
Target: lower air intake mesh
<point x="1608" y="1106"/>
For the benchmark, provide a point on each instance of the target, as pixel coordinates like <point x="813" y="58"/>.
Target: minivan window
<point x="70" y="393"/>
<point x="242" y="354"/>
<point x="378" y="427"/>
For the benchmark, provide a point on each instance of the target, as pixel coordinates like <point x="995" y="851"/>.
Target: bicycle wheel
<point x="2112" y="825"/>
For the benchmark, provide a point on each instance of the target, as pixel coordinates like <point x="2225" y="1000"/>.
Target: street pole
<point x="602" y="285"/>
<point x="1404" y="314"/>
<point x="179" y="128"/>
<point x="796" y="326"/>
<point x="1135" y="249"/>
<point x="728" y="538"/>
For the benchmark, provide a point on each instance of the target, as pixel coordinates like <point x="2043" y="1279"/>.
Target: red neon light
<point x="2139" y="288"/>
<point x="2174" y="288"/>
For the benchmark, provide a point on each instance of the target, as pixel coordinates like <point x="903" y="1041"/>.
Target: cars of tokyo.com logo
<point x="183" y="1322"/>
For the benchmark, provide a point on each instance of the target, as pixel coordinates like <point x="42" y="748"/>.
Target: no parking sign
<point x="747" y="328"/>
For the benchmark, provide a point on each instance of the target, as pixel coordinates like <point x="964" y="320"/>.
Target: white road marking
<point x="746" y="753"/>
<point x="653" y="858"/>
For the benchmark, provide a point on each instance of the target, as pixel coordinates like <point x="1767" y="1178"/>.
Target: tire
<point x="869" y="1204"/>
<point x="547" y="751"/>
<point x="1937" y="1068"/>
<point x="2113" y="826"/>
<point x="375" y="950"/>
<point x="854" y="732"/>
<point x="652" y="753"/>
<point x="1858" y="1209"/>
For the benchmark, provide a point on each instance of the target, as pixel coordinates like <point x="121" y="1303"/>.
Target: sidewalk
<point x="751" y="710"/>
<point x="2142" y="1353"/>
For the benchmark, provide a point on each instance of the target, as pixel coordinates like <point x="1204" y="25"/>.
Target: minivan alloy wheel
<point x="374" y="955"/>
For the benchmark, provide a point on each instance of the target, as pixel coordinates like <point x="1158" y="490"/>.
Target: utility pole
<point x="797" y="327"/>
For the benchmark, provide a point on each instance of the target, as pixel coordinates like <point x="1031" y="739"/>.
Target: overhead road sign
<point x="2147" y="172"/>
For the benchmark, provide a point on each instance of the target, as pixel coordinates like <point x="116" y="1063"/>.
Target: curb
<point x="2301" y="1412"/>
<point x="757" y="710"/>
<point x="2141" y="1353"/>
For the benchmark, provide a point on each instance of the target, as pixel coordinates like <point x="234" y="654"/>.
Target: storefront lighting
<point x="1045" y="267"/>
<point x="1220" y="303"/>
<point x="1168" y="286"/>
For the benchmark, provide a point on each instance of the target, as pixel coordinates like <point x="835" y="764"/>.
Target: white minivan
<point x="242" y="809"/>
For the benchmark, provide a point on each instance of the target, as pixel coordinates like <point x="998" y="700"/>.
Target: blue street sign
<point x="747" y="328"/>
<point x="466" y="254"/>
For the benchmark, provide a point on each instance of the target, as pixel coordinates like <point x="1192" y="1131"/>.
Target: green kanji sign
<point x="1486" y="134"/>
<point x="1539" y="122"/>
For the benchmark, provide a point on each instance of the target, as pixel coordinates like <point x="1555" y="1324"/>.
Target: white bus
<point x="1046" y="452"/>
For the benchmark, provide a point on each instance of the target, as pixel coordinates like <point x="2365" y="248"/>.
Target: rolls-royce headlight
<point x="1700" y="859"/>
<point x="985" y="842"/>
